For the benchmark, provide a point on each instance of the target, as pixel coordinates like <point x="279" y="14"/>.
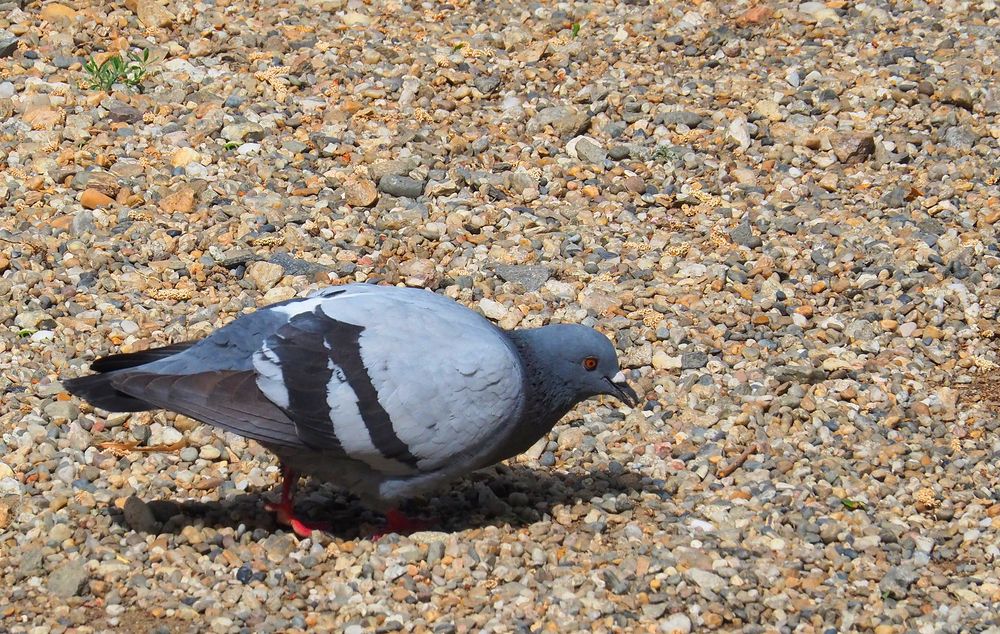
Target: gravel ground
<point x="784" y="214"/>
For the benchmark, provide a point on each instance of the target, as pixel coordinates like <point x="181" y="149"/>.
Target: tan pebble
<point x="184" y="156"/>
<point x="933" y="332"/>
<point x="957" y="95"/>
<point x="93" y="199"/>
<point x="42" y="118"/>
<point x="181" y="200"/>
<point x="278" y="294"/>
<point x="265" y="274"/>
<point x="359" y="192"/>
<point x="152" y="15"/>
<point x="56" y="12"/>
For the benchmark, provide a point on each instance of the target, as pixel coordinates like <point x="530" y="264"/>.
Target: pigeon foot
<point x="284" y="511"/>
<point x="284" y="514"/>
<point x="398" y="522"/>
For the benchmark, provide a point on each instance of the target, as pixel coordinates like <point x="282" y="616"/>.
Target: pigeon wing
<point x="401" y="379"/>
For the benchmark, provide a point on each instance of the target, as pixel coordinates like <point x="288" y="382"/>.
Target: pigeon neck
<point x="548" y="395"/>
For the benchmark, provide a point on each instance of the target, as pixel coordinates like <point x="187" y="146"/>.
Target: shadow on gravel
<point x="513" y="495"/>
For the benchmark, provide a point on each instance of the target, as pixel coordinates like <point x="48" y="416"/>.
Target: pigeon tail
<point x="98" y="388"/>
<point x="99" y="392"/>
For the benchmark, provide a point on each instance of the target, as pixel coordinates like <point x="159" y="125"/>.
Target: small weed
<point x="129" y="71"/>
<point x="458" y="47"/>
<point x="26" y="332"/>
<point x="665" y="153"/>
<point x="576" y="29"/>
<point x="231" y="145"/>
<point x="852" y="505"/>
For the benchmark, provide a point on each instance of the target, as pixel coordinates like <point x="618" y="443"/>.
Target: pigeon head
<point x="585" y="362"/>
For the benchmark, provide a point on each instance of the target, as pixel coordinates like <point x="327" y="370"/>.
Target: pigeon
<point x="387" y="392"/>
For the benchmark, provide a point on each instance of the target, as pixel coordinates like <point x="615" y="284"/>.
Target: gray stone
<point x="678" y="623"/>
<point x="123" y="113"/>
<point x="693" y="360"/>
<point x="675" y="117"/>
<point x="65" y="410"/>
<point x="402" y="186"/>
<point x="245" y="132"/>
<point x="567" y="121"/>
<point x="7" y="47"/>
<point x="486" y="83"/>
<point x="68" y="579"/>
<point x="851" y="149"/>
<point x="897" y="581"/>
<point x="744" y="236"/>
<point x="586" y="149"/>
<point x="960" y="137"/>
<point x="706" y="580"/>
<point x="531" y="276"/>
<point x="295" y="266"/>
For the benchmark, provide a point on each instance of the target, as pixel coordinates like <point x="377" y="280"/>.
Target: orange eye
<point x="590" y="364"/>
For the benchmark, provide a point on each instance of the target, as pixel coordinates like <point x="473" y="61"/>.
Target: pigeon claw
<point x="398" y="522"/>
<point x="285" y="515"/>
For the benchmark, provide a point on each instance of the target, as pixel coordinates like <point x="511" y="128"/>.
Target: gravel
<point x="783" y="214"/>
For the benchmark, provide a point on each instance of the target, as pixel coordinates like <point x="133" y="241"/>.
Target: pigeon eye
<point x="590" y="364"/>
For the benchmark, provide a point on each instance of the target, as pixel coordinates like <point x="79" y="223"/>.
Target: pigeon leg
<point x="398" y="522"/>
<point x="285" y="512"/>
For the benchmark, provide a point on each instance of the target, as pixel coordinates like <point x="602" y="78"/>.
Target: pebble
<point x="786" y="231"/>
<point x="396" y="185"/>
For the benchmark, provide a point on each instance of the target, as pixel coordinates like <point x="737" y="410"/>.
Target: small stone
<point x="354" y="18"/>
<point x="957" y="95"/>
<point x="55" y="12"/>
<point x="243" y="132"/>
<point x="8" y="46"/>
<point x="682" y="117"/>
<point x="678" y="623"/>
<point x="706" y="580"/>
<point x="180" y="201"/>
<point x="493" y="310"/>
<point x="565" y="120"/>
<point x="419" y="272"/>
<point x="693" y="360"/>
<point x="10" y="486"/>
<point x="68" y="579"/>
<point x="62" y="411"/>
<point x="360" y="192"/>
<point x="486" y="84"/>
<point x="531" y="276"/>
<point x="192" y="534"/>
<point x="744" y="236"/>
<point x="403" y="186"/>
<point x="184" y="156"/>
<point x="897" y="581"/>
<point x="264" y="274"/>
<point x="739" y="131"/>
<point x="93" y="199"/>
<point x="854" y="148"/>
<point x="586" y="149"/>
<point x="152" y="15"/>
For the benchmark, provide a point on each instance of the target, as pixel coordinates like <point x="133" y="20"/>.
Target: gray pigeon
<point x="384" y="391"/>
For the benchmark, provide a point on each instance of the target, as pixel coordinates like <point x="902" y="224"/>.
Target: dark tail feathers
<point x="97" y="389"/>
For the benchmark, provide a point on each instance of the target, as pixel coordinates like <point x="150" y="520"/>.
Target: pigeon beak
<point x="622" y="390"/>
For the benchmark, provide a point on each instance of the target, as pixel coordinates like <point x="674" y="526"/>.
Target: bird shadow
<point x="514" y="495"/>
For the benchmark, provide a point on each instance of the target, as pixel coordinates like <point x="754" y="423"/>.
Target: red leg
<point x="398" y="522"/>
<point x="285" y="512"/>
